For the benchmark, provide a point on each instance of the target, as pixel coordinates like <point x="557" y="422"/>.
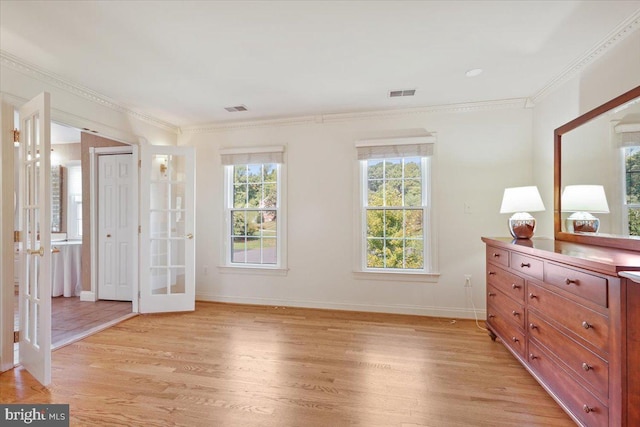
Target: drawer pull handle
<point x="491" y="316"/>
<point x="532" y="295"/>
<point x="491" y="294"/>
<point x="587" y="325"/>
<point x="533" y="326"/>
<point x="570" y="281"/>
<point x="495" y="255"/>
<point x="586" y="408"/>
<point x="533" y="356"/>
<point x="587" y="367"/>
<point x="492" y="273"/>
<point x="514" y="286"/>
<point x="523" y="265"/>
<point x="515" y="339"/>
<point x="515" y="313"/>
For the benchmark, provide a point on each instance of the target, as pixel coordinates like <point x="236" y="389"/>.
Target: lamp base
<point x="522" y="225"/>
<point x="582" y="222"/>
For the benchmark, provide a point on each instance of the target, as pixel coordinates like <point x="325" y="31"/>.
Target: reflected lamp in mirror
<point x="519" y="201"/>
<point x="583" y="201"/>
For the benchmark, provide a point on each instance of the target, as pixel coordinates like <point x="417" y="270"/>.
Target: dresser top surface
<point x="596" y="258"/>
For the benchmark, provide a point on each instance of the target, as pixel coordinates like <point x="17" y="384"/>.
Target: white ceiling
<point x="183" y="62"/>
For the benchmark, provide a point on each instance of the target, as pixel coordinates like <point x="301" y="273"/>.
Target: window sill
<point x="397" y="276"/>
<point x="242" y="269"/>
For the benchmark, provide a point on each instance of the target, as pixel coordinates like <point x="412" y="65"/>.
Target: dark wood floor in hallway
<point x="238" y="365"/>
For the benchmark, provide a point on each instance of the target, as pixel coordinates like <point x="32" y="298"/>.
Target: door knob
<point x="189" y="236"/>
<point x="108" y="235"/>
<point x="38" y="252"/>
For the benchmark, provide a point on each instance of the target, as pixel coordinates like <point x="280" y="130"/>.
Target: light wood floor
<point x="235" y="365"/>
<point x="71" y="318"/>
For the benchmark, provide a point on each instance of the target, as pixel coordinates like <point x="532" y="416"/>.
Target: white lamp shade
<point x="521" y="199"/>
<point x="584" y="198"/>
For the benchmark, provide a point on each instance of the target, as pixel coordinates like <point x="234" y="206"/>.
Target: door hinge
<point x="139" y="163"/>
<point x="17" y="238"/>
<point x="16" y="135"/>
<point x="16" y="336"/>
<point x="139" y="229"/>
<point x="138" y="294"/>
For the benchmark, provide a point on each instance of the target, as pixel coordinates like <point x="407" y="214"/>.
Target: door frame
<point x="94" y="153"/>
<point x="8" y="104"/>
<point x="7" y="218"/>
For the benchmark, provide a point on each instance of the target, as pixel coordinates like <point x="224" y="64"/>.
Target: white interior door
<point x="116" y="227"/>
<point x="167" y="245"/>
<point x="34" y="201"/>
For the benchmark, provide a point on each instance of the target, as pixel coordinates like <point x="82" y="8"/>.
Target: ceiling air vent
<point x="236" y="109"/>
<point x="406" y="92"/>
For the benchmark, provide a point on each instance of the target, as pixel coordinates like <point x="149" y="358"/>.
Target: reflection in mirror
<point x="600" y="149"/>
<point x="604" y="154"/>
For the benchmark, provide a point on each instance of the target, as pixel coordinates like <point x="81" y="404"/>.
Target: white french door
<point x="167" y="236"/>
<point x="34" y="201"/>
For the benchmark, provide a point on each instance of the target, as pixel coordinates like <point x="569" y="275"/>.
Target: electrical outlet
<point x="467" y="280"/>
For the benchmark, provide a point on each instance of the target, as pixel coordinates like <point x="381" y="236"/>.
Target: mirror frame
<point x="613" y="241"/>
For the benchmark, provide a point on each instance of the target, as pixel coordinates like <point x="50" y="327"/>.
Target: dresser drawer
<point x="589" y="325"/>
<point x="509" y="308"/>
<point x="583" y="363"/>
<point x="508" y="283"/>
<point x="582" y="404"/>
<point x="498" y="256"/>
<point x="508" y="332"/>
<point x="588" y="286"/>
<point x="527" y="265"/>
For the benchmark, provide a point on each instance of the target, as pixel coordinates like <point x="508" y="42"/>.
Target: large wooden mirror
<point x="602" y="148"/>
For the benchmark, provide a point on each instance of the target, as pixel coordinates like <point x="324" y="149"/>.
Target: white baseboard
<point x="448" y="312"/>
<point x="88" y="296"/>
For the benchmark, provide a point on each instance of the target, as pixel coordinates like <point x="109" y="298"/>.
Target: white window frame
<point x="397" y="148"/>
<point x="254" y="156"/>
<point x="623" y="177"/>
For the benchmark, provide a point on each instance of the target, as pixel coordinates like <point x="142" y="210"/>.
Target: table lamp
<point x="583" y="201"/>
<point x="520" y="201"/>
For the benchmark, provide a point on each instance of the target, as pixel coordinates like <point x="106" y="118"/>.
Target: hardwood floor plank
<point x="235" y="365"/>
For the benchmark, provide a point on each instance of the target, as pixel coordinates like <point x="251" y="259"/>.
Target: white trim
<point x="514" y="103"/>
<point x="385" y="142"/>
<point x="251" y="269"/>
<point x="627" y="127"/>
<point x="432" y="311"/>
<point x="92" y="331"/>
<point x="397" y="276"/>
<point x="80" y="122"/>
<point x="7" y="215"/>
<point x="88" y="296"/>
<point x="46" y="76"/>
<point x="251" y="150"/>
<point x="623" y="30"/>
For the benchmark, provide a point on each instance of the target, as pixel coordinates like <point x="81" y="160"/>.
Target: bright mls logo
<point x="34" y="415"/>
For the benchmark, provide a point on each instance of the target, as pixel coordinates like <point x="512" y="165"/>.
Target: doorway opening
<point x="72" y="316"/>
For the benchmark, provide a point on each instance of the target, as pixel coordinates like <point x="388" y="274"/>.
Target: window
<point x="253" y="213"/>
<point x="632" y="189"/>
<point x="396" y="205"/>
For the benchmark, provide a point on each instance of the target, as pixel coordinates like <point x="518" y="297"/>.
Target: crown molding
<point x="621" y="32"/>
<point x="341" y="117"/>
<point x="48" y="77"/>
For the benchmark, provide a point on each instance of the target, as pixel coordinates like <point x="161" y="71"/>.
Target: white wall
<point x="478" y="154"/>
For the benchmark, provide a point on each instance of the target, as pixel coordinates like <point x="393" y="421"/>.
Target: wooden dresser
<point x="570" y="316"/>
